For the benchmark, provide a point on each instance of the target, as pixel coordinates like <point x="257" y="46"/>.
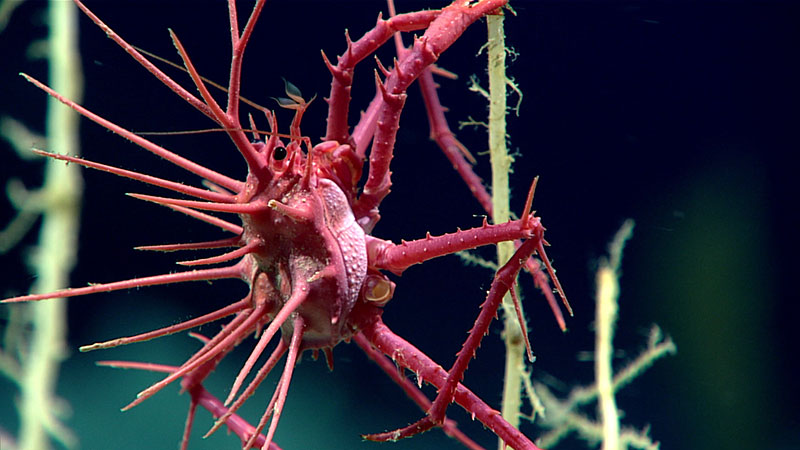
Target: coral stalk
<point x="501" y="167"/>
<point x="55" y="256"/>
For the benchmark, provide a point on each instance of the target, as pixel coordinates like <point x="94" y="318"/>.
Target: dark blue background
<point x="680" y="115"/>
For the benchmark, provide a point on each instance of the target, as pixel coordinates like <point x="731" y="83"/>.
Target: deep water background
<point x="680" y="115"/>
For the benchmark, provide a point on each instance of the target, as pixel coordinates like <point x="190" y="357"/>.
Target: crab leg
<point x="409" y="357"/>
<point x="397" y="258"/>
<point x="442" y="32"/>
<point x="412" y="391"/>
<point x="458" y="155"/>
<point x="339" y="99"/>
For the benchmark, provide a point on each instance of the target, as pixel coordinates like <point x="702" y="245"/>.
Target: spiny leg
<point x="413" y="392"/>
<point x="458" y="155"/>
<point x="339" y="99"/>
<point x="397" y="258"/>
<point x="442" y="32"/>
<point x="502" y="283"/>
<point x="409" y="357"/>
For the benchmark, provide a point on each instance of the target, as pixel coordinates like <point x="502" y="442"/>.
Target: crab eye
<point x="378" y="289"/>
<point x="279" y="154"/>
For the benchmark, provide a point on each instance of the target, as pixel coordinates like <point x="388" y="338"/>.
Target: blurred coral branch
<point x="34" y="339"/>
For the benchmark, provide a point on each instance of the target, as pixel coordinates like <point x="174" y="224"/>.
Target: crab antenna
<point x="208" y="81"/>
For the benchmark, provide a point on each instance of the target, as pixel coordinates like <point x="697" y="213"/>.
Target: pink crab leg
<point x="456" y="153"/>
<point x="235" y="271"/>
<point x="235" y="423"/>
<point x="339" y="100"/>
<point x="397" y="258"/>
<point x="442" y="32"/>
<point x="451" y="147"/>
<point x="210" y="317"/>
<point x="413" y="392"/>
<point x="454" y="150"/>
<point x="200" y="397"/>
<point x="502" y="283"/>
<point x="409" y="357"/>
<point x="191" y="166"/>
